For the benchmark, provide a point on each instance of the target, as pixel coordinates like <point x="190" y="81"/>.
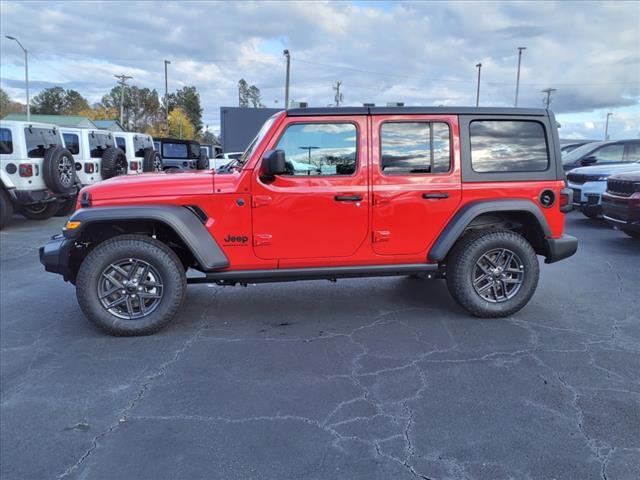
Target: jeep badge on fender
<point x="331" y="210"/>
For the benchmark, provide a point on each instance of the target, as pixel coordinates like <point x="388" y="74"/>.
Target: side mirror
<point x="590" y="160"/>
<point x="273" y="163"/>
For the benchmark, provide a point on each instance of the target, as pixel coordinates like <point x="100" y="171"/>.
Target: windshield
<point x="574" y="155"/>
<point x="256" y="141"/>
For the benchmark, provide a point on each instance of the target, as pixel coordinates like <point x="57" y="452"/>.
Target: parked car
<point x="399" y="208"/>
<point x="140" y="152"/>
<point x="570" y="145"/>
<point x="36" y="170"/>
<point x="601" y="153"/>
<point x="224" y="159"/>
<point x="589" y="183"/>
<point x="621" y="202"/>
<point x="178" y="154"/>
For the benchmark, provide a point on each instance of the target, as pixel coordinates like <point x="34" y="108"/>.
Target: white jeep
<point x="140" y="152"/>
<point x="37" y="172"/>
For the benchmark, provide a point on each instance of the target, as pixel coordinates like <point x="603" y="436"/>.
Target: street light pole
<point x="123" y="83"/>
<point x="166" y="94"/>
<point x="479" y="65"/>
<point x="520" y="49"/>
<point x="26" y="73"/>
<point x="606" y="127"/>
<point x="286" y="83"/>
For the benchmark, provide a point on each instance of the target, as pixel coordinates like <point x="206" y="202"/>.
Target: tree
<point x="9" y="106"/>
<point x="58" y="101"/>
<point x="254" y="97"/>
<point x="188" y="100"/>
<point x="100" y="112"/>
<point x="141" y="107"/>
<point x="179" y="125"/>
<point x="209" y="137"/>
<point x="243" y="93"/>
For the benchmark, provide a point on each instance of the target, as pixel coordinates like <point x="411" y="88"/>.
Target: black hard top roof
<point x="307" y="112"/>
<point x="172" y="140"/>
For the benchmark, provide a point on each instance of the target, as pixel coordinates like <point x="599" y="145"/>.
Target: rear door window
<point x="414" y="148"/>
<point x="6" y="142"/>
<point x="98" y="143"/>
<point x="38" y="140"/>
<point x="508" y="146"/>
<point x="72" y="142"/>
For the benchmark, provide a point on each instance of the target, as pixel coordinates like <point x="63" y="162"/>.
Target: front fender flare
<point x="181" y="220"/>
<point x="461" y="220"/>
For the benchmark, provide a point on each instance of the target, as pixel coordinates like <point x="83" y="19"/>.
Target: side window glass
<point x="633" y="152"/>
<point x="320" y="148"/>
<point x="6" y="142"/>
<point x="174" y="150"/>
<point x="414" y="148"/>
<point x="71" y="143"/>
<point x="122" y="144"/>
<point x="508" y="146"/>
<point x="609" y="153"/>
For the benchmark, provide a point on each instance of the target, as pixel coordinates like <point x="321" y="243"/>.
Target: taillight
<point x="566" y="205"/>
<point x="26" y="170"/>
<point x="88" y="168"/>
<point x="135" y="165"/>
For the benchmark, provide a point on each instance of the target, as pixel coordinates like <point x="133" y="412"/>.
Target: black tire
<point x="203" y="162"/>
<point x="39" y="211"/>
<point x="152" y="161"/>
<point x="114" y="163"/>
<point x="67" y="207"/>
<point x="632" y="234"/>
<point x="140" y="248"/>
<point x="58" y="169"/>
<point x="463" y="265"/>
<point x="6" y="208"/>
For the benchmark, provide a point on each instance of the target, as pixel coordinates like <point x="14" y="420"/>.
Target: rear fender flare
<point x="181" y="220"/>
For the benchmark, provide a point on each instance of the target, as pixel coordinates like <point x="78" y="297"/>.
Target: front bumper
<point x="560" y="248"/>
<point x="587" y="197"/>
<point x="55" y="255"/>
<point x="622" y="212"/>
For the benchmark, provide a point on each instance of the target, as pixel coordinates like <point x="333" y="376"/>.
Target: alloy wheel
<point x="498" y="275"/>
<point x="65" y="170"/>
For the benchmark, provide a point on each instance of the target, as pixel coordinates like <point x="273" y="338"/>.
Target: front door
<point x="319" y="207"/>
<point x="415" y="175"/>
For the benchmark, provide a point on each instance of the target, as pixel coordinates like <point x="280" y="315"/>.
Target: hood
<point x="629" y="176"/>
<point x="607" y="169"/>
<point x="153" y="185"/>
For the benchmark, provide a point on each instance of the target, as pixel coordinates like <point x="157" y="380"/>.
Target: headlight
<point x="602" y="178"/>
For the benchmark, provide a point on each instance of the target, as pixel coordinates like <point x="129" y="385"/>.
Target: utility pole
<point x="338" y="97"/>
<point x="520" y="49"/>
<point x="547" y="101"/>
<point x="123" y="83"/>
<point x="479" y="65"/>
<point x="26" y="73"/>
<point x="286" y="82"/>
<point x="606" y="127"/>
<point x="166" y="94"/>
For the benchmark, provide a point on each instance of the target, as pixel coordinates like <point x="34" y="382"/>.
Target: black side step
<point x="316" y="273"/>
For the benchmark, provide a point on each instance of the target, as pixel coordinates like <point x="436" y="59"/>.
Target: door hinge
<point x="259" y="200"/>
<point x="262" y="239"/>
<point x="381" y="235"/>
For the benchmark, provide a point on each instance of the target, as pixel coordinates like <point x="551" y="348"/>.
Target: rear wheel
<point x="632" y="234"/>
<point x="39" y="211"/>
<point x="131" y="285"/>
<point x="492" y="273"/>
<point x="6" y="208"/>
<point x="203" y="162"/>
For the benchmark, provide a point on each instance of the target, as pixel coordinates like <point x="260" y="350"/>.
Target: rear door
<point x="320" y="207"/>
<point x="415" y="180"/>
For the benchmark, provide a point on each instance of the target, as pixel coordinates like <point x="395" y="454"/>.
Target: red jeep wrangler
<point x="466" y="194"/>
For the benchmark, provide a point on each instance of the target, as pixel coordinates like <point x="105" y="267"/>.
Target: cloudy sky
<point x="418" y="53"/>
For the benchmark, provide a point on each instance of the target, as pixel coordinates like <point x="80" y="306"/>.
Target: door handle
<point x="435" y="195"/>
<point x="348" y="198"/>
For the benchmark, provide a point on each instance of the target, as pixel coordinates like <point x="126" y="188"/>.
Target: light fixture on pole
<point x="479" y="66"/>
<point x="520" y="49"/>
<point x="26" y="73"/>
<point x="286" y="82"/>
<point x="606" y="127"/>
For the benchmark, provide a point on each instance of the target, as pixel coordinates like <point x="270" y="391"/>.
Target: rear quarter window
<point x="508" y="146"/>
<point x="175" y="150"/>
<point x="140" y="143"/>
<point x="6" y="141"/>
<point x="122" y="144"/>
<point x="98" y="143"/>
<point x="72" y="143"/>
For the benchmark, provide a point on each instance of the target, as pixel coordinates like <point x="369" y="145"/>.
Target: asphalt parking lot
<point x="375" y="378"/>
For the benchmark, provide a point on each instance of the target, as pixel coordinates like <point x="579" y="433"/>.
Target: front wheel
<point x="131" y="285"/>
<point x="492" y="273"/>
<point x="39" y="211"/>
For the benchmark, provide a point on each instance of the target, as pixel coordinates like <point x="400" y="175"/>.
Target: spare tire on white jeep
<point x="152" y="161"/>
<point x="58" y="169"/>
<point x="114" y="162"/>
